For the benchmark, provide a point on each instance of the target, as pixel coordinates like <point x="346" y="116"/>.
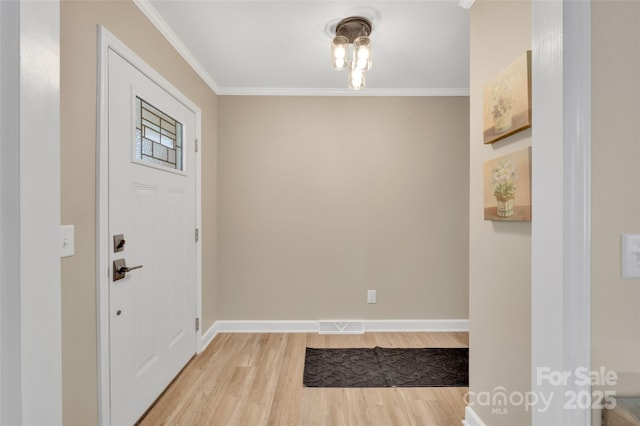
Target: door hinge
<point x="197" y="324"/>
<point x="197" y="235"/>
<point x="196" y="145"/>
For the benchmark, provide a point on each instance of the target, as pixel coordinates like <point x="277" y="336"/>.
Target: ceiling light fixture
<point x="351" y="49"/>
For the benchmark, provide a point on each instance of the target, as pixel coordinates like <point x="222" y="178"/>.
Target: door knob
<point x="120" y="269"/>
<point x="125" y="269"/>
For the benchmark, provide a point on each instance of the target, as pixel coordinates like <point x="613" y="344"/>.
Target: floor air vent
<point x="341" y="327"/>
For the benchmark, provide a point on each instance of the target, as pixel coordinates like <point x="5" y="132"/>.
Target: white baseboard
<point x="416" y="325"/>
<point x="471" y="418"/>
<point x="208" y="336"/>
<point x="235" y="326"/>
<point x="241" y="326"/>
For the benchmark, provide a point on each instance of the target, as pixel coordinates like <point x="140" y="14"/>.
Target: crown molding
<point x="150" y="12"/>
<point x="261" y="91"/>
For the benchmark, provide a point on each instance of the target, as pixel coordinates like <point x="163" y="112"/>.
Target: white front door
<point x="152" y="205"/>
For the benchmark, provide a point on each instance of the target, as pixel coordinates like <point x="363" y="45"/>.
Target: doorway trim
<point x="30" y="297"/>
<point x="107" y="41"/>
<point x="561" y="200"/>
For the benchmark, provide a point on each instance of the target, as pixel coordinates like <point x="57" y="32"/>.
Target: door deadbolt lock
<point x="120" y="269"/>
<point x="118" y="243"/>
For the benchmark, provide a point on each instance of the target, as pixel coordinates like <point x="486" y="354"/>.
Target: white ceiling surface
<point x="264" y="47"/>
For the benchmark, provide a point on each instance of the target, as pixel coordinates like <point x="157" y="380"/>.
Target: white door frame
<point x="30" y="291"/>
<point x="106" y="42"/>
<point x="561" y="201"/>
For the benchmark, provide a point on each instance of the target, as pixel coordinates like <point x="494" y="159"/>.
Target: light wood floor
<point x="256" y="379"/>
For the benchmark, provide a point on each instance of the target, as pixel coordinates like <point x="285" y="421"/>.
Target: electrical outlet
<point x="371" y="296"/>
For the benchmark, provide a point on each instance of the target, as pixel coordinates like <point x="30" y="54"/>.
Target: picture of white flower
<point x="507" y="101"/>
<point x="502" y="104"/>
<point x="504" y="175"/>
<point x="507" y="187"/>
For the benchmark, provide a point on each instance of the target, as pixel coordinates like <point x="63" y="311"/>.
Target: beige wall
<point x="322" y="198"/>
<point x="615" y="187"/>
<point x="500" y="252"/>
<point x="79" y="21"/>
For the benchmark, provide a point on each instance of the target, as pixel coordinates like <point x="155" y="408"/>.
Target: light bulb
<point x="339" y="49"/>
<point x="362" y="53"/>
<point x="356" y="79"/>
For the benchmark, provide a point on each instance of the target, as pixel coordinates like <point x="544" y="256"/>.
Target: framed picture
<point x="507" y="101"/>
<point x="507" y="187"/>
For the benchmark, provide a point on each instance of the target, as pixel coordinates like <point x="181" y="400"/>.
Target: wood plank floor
<point x="256" y="379"/>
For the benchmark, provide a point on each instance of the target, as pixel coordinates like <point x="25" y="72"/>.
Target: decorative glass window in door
<point x="158" y="136"/>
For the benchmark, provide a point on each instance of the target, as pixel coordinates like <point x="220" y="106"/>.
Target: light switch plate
<point x="630" y="256"/>
<point x="67" y="240"/>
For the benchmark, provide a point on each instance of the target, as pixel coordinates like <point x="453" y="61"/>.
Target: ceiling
<point x="266" y="47"/>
